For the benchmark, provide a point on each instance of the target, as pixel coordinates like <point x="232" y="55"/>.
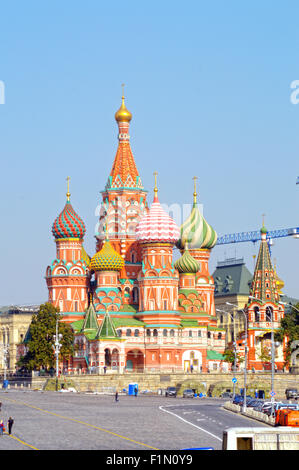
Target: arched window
<point x="164" y="332"/>
<point x="256" y="314"/>
<point x="136" y="333"/>
<point x="119" y="333"/>
<point x="199" y="333"/>
<point x="171" y="333"/>
<point x="219" y="336"/>
<point x="128" y="332"/>
<point x="135" y="295"/>
<point x="155" y="332"/>
<point x="190" y="333"/>
<point x="148" y="332"/>
<point x="269" y="314"/>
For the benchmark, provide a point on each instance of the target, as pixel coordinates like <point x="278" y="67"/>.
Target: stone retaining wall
<point x="155" y="381"/>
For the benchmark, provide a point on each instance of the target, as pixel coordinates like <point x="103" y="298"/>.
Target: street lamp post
<point x="57" y="346"/>
<point x="289" y="305"/>
<point x="235" y="354"/>
<point x="245" y="358"/>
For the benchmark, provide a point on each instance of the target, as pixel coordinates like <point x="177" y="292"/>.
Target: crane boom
<point x="256" y="235"/>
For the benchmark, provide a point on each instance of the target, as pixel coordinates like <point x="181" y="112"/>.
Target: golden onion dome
<point x="107" y="259"/>
<point x="279" y="282"/>
<point x="123" y="115"/>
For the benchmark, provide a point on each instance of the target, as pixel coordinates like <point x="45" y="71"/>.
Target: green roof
<point x="107" y="328"/>
<point x="129" y="308"/>
<point x="90" y="320"/>
<point x="118" y="322"/>
<point x="77" y="325"/>
<point x="213" y="355"/>
<point x="190" y="323"/>
<point x="232" y="277"/>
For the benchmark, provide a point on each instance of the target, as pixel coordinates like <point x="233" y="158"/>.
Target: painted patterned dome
<point x="196" y="232"/>
<point x="107" y="259"/>
<point x="68" y="224"/>
<point x="186" y="264"/>
<point x="157" y="226"/>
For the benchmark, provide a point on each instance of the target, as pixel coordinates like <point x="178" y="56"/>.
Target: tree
<point x="229" y="356"/>
<point x="40" y="340"/>
<point x="290" y="328"/>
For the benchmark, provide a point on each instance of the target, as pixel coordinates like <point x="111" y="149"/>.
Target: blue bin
<point x="131" y="390"/>
<point x="5" y="383"/>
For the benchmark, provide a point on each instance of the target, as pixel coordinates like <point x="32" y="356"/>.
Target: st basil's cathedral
<point x="131" y="307"/>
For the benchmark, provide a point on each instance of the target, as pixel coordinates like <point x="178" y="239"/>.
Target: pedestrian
<point x="0" y="405"/>
<point x="105" y="368"/>
<point x="9" y="424"/>
<point x="116" y="396"/>
<point x="191" y="368"/>
<point x="1" y="428"/>
<point x="136" y="391"/>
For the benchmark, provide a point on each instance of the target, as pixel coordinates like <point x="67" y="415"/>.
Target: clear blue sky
<point x="208" y="84"/>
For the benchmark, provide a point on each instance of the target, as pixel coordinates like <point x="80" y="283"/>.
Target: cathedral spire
<point x="263" y="285"/>
<point x="124" y="173"/>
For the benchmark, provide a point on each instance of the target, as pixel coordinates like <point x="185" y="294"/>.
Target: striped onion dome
<point x="157" y="226"/>
<point x="196" y="232"/>
<point x="186" y="264"/>
<point x="107" y="259"/>
<point x="68" y="224"/>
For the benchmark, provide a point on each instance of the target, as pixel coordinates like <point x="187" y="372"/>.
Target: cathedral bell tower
<point x="124" y="203"/>
<point x="264" y="312"/>
<point x="158" y="285"/>
<point x="67" y="276"/>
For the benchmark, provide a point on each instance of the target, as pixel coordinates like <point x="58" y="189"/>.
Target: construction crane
<point x="256" y="236"/>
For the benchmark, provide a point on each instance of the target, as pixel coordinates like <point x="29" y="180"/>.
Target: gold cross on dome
<point x="123" y="87"/>
<point x="195" y="193"/>
<point x="68" y="194"/>
<point x="155" y="188"/>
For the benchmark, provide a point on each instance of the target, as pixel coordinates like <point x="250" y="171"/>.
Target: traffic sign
<point x="272" y="394"/>
<point x="234" y="380"/>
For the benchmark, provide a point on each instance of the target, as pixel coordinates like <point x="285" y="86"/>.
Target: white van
<point x="261" y="438"/>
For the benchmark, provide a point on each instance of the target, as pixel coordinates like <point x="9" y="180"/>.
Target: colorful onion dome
<point x="278" y="281"/>
<point x="157" y="225"/>
<point x="85" y="256"/>
<point x="68" y="224"/>
<point x="196" y="231"/>
<point x="107" y="259"/>
<point x="123" y="115"/>
<point x="186" y="264"/>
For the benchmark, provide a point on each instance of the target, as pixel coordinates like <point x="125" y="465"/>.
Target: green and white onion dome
<point x="196" y="232"/>
<point x="186" y="264"/>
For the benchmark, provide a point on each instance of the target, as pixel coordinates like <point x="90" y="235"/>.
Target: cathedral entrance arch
<point x="115" y="359"/>
<point x="192" y="360"/>
<point x="107" y="357"/>
<point x="135" y="360"/>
